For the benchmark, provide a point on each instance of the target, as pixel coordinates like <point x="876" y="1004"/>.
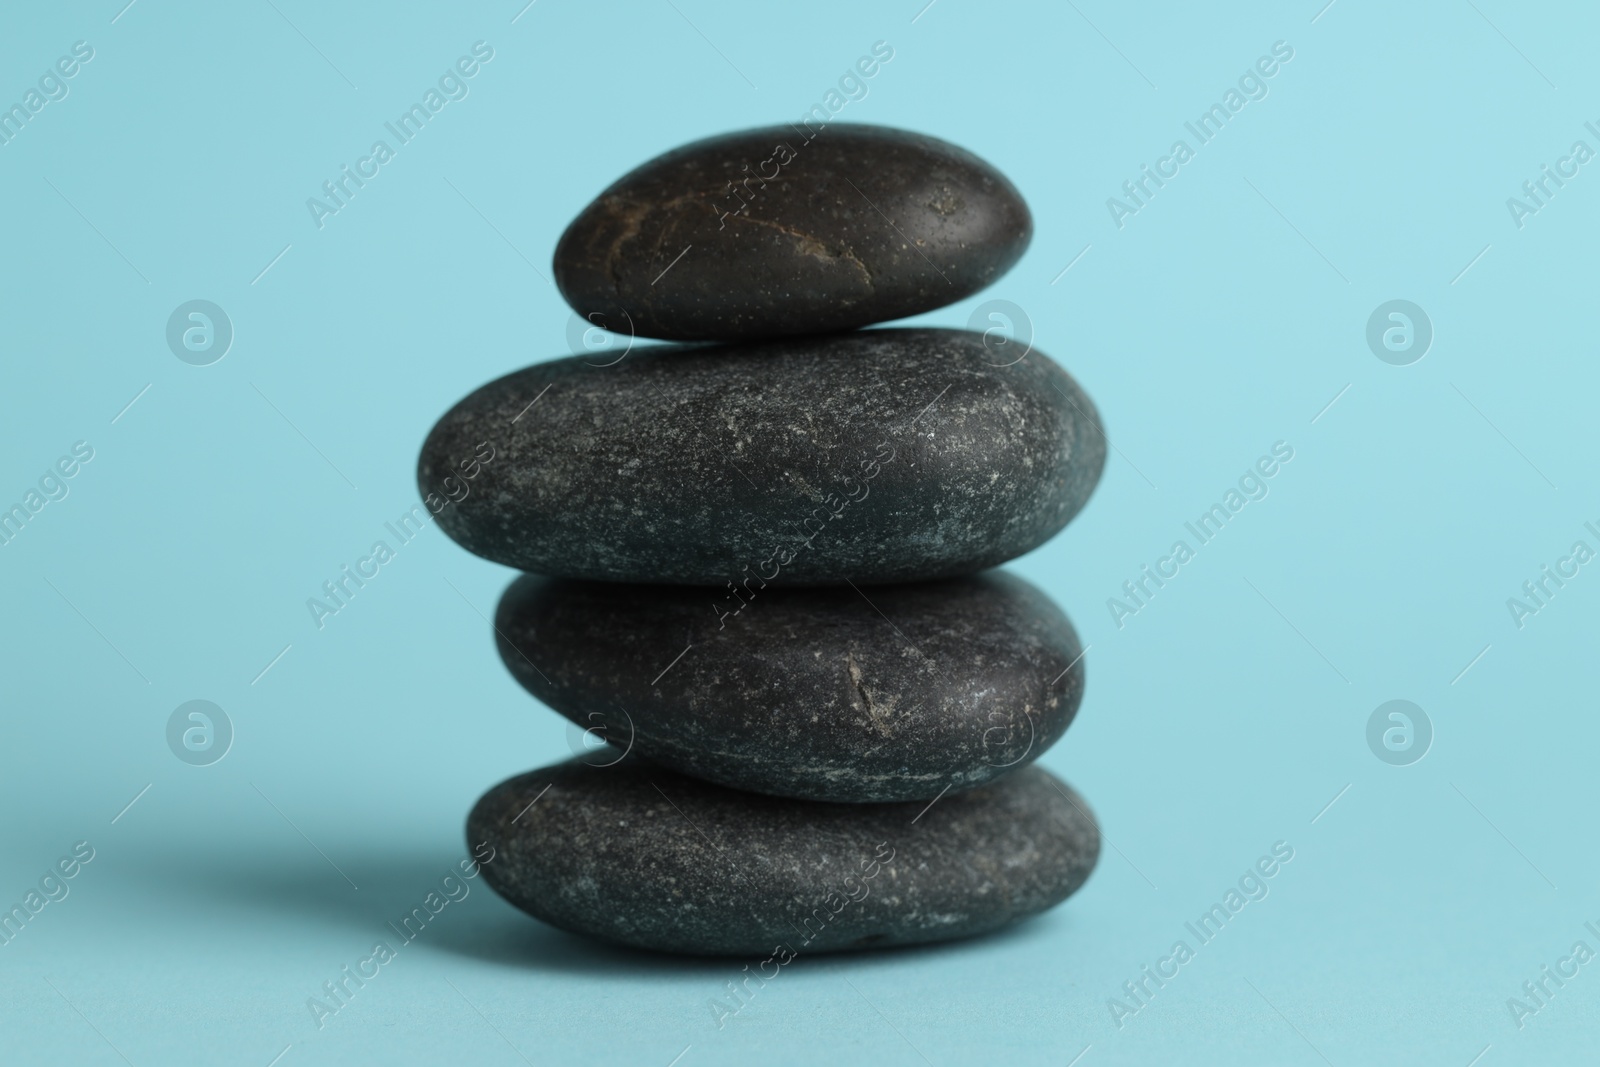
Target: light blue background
<point x="1219" y="720"/>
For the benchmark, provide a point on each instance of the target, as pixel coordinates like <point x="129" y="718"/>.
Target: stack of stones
<point x="757" y="569"/>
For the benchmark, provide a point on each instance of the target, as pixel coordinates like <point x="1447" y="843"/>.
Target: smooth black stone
<point x="862" y="224"/>
<point x="804" y="693"/>
<point x="875" y="456"/>
<point x="649" y="858"/>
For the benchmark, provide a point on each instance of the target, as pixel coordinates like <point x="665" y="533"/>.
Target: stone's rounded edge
<point x="674" y="198"/>
<point x="489" y="413"/>
<point x="1088" y="438"/>
<point x="1081" y="828"/>
<point x="492" y="821"/>
<point x="805" y="697"/>
<point x="1090" y="426"/>
<point x="1093" y="439"/>
<point x="1071" y="680"/>
<point x="443" y="439"/>
<point x="1008" y="201"/>
<point x="629" y="858"/>
<point x="575" y="879"/>
<point x="518" y="600"/>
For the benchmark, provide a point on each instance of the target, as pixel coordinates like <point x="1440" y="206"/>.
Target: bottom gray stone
<point x="638" y="855"/>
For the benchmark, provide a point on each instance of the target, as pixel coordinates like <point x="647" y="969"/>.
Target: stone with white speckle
<point x="645" y="857"/>
<point x="816" y="694"/>
<point x="875" y="456"/>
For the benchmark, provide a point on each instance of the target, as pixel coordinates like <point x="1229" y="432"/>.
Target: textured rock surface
<point x="877" y="456"/>
<point x="780" y="235"/>
<point x="807" y="693"/>
<point x="648" y="858"/>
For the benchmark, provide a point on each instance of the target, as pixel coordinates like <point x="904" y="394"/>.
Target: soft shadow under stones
<point x="293" y="890"/>
<point x="512" y="939"/>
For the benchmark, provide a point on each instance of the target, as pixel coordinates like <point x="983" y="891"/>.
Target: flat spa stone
<point x="648" y="858"/>
<point x="804" y="693"/>
<point x="875" y="456"/>
<point x="789" y="230"/>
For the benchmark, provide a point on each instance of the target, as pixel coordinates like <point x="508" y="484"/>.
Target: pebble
<point x="648" y="858"/>
<point x="877" y="456"/>
<point x="815" y="694"/>
<point x="789" y="230"/>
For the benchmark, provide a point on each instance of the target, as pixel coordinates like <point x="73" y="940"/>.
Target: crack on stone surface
<point x="809" y="245"/>
<point x="631" y="214"/>
<point x="631" y="218"/>
<point x="878" y="718"/>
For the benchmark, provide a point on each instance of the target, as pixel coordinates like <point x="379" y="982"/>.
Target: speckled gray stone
<point x="789" y="230"/>
<point x="875" y="456"/>
<point x="805" y="693"/>
<point x="649" y="858"/>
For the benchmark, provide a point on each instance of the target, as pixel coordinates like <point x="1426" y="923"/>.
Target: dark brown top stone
<point x="788" y="230"/>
